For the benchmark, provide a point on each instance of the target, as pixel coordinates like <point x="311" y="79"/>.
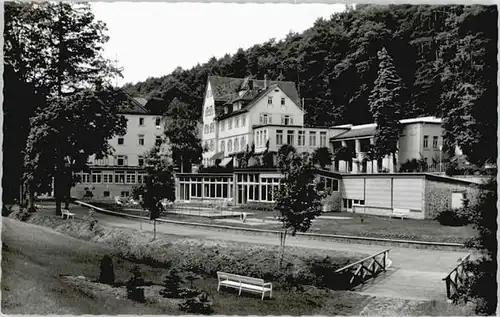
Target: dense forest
<point x="335" y="62"/>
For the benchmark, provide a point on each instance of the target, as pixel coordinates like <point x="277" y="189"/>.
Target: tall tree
<point x="182" y="132"/>
<point x="57" y="49"/>
<point x="66" y="133"/>
<point x="386" y="104"/>
<point x="468" y="64"/>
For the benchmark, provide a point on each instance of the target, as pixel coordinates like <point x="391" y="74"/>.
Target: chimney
<point x="265" y="81"/>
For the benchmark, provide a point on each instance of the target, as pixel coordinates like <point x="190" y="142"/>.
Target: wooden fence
<point x="456" y="278"/>
<point x="366" y="268"/>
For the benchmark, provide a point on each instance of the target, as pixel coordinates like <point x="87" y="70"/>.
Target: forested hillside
<point x="445" y="55"/>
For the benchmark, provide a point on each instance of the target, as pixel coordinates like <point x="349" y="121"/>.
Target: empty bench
<point x="244" y="283"/>
<point x="400" y="213"/>
<point x="65" y="212"/>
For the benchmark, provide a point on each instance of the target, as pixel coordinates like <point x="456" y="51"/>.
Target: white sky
<point x="152" y="39"/>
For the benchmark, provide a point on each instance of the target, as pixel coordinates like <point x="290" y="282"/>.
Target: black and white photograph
<point x="249" y="158"/>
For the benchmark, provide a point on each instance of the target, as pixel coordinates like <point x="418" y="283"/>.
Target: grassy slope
<point x="36" y="256"/>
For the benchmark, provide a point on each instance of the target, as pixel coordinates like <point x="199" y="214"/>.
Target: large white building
<point x="239" y="112"/>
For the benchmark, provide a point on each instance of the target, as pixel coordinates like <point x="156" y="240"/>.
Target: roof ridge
<point x="137" y="103"/>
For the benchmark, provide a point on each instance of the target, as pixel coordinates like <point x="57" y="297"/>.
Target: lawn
<point x="347" y="224"/>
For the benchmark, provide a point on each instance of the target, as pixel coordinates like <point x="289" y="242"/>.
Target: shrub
<point x="201" y="304"/>
<point x="188" y="292"/>
<point x="172" y="284"/>
<point x="107" y="275"/>
<point x="452" y="217"/>
<point x="19" y="213"/>
<point x="134" y="290"/>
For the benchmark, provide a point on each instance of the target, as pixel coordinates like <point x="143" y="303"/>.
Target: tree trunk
<point x="282" y="247"/>
<point x="21" y="194"/>
<point x="59" y="184"/>
<point x="68" y="190"/>
<point x="154" y="229"/>
<point x="31" y="199"/>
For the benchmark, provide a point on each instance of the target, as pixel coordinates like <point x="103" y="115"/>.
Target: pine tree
<point x="386" y="105"/>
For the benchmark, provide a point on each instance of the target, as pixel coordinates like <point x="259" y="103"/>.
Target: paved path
<point x="414" y="274"/>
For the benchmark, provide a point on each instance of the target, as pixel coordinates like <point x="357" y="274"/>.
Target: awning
<point x="218" y="155"/>
<point x="225" y="161"/>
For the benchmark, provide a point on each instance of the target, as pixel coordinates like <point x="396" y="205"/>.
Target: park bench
<point x="400" y="213"/>
<point x="244" y="283"/>
<point x="65" y="212"/>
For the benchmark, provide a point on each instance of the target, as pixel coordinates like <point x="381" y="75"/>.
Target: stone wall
<point x="438" y="195"/>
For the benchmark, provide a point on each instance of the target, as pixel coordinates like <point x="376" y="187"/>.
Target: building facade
<point x="117" y="174"/>
<point x="421" y="138"/>
<point x="423" y="195"/>
<point x="241" y="112"/>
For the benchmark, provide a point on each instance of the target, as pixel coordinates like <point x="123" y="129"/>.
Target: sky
<point x="152" y="39"/>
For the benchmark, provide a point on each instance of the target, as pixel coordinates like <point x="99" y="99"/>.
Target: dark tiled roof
<point x="226" y="89"/>
<point x="132" y="106"/>
<point x="356" y="133"/>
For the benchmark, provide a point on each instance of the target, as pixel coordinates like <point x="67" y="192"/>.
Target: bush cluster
<point x="201" y="304"/>
<point x="453" y="217"/>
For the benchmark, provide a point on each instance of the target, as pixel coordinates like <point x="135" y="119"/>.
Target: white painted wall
<point x="276" y="110"/>
<point x="208" y="119"/>
<point x="131" y="147"/>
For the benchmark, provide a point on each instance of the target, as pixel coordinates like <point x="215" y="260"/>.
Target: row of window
<point x="329" y="183"/>
<point x="266" y="118"/>
<point x="347" y="203"/>
<point x="435" y="142"/>
<point x="140" y="140"/>
<point x="234" y="144"/>
<point x="209" y="128"/>
<point x="205" y="187"/>
<point x="157" y="122"/>
<point x="119" y="160"/>
<point x="248" y="188"/>
<point x="112" y="177"/>
<point x="239" y="121"/>
<point x="301" y="140"/>
<point x="270" y="101"/>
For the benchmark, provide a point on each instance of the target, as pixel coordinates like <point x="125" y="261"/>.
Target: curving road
<point x="414" y="274"/>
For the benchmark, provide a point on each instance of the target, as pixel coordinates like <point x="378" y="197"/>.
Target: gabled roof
<point x="225" y="89"/>
<point x="133" y="106"/>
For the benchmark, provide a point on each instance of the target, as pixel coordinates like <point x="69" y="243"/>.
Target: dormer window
<point x="226" y="110"/>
